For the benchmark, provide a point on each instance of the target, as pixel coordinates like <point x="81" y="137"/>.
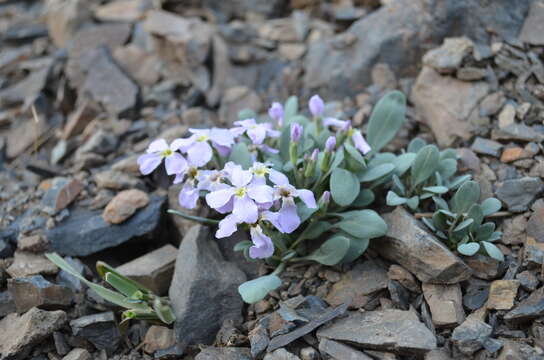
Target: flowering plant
<point x="298" y="184"/>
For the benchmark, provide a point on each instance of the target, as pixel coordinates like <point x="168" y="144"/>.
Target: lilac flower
<point x="259" y="171"/>
<point x="330" y="144"/>
<point x="276" y="113"/>
<point x="198" y="148"/>
<point x="296" y="132"/>
<point x="158" y="150"/>
<point x="257" y="132"/>
<point x="335" y="123"/>
<point x="243" y="195"/>
<point x="314" y="155"/>
<point x="262" y="245"/>
<point x="316" y="105"/>
<point x="211" y="180"/>
<point x="288" y="218"/>
<point x="355" y="135"/>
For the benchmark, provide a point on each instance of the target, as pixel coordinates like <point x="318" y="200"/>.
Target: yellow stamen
<point x="167" y="153"/>
<point x="240" y="191"/>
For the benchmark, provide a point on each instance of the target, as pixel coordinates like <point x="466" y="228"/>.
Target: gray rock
<point x="518" y="194"/>
<point x="35" y="291"/>
<point x="224" y="353"/>
<point x="517" y="132"/>
<point x="527" y="280"/>
<point x="21" y="332"/>
<point x="7" y="305"/>
<point x="448" y="57"/>
<point x="445" y="303"/>
<point x="471" y="335"/>
<point x="63" y="191"/>
<point x="280" y="354"/>
<point x="486" y="147"/>
<point x="532" y="29"/>
<point x="101" y="142"/>
<point x="528" y="309"/>
<point x="84" y="232"/>
<point x="78" y="354"/>
<point x="387" y="330"/>
<point x="69" y="280"/>
<point x="99" y="329"/>
<point x="408" y="243"/>
<point x="476" y="294"/>
<point x="535" y="225"/>
<point x="340" y="351"/>
<point x="200" y="267"/>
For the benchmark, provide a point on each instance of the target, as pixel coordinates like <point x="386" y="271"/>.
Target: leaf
<point x="246" y="114"/>
<point x="475" y="213"/>
<point x="332" y="251"/>
<point x="305" y="212"/>
<point x="240" y="155"/>
<point x="398" y="185"/>
<point x="316" y="229"/>
<point x="242" y="245"/>
<point x="102" y="268"/>
<point x="447" y="168"/>
<point x="413" y="202"/>
<point x="436" y="189"/>
<point x="463" y="225"/>
<point x="382" y="158"/>
<point x="363" y="224"/>
<point x="424" y="165"/>
<point x="365" y="198"/>
<point x="374" y="173"/>
<point x="403" y="162"/>
<point x="440" y="203"/>
<point x="344" y="186"/>
<point x="485" y="231"/>
<point x="415" y="145"/>
<point x="199" y="219"/>
<point x="124" y="287"/>
<point x="458" y="181"/>
<point x="355" y="155"/>
<point x="440" y="221"/>
<point x="255" y="290"/>
<point x="495" y="236"/>
<point x="386" y="119"/>
<point x="493" y="251"/>
<point x="290" y="109"/>
<point x="468" y="249"/>
<point x="467" y="195"/>
<point x="393" y="199"/>
<point x="163" y="311"/>
<point x="429" y="223"/>
<point x="356" y="248"/>
<point x="491" y="206"/>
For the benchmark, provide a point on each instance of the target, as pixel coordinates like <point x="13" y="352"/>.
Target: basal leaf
<point x="491" y="206"/>
<point x="424" y="165"/>
<point x="468" y="249"/>
<point x="255" y="290"/>
<point x="240" y="155"/>
<point x="392" y="199"/>
<point x="362" y="224"/>
<point x="415" y="145"/>
<point x="467" y="195"/>
<point x="374" y="173"/>
<point x="386" y="119"/>
<point x="493" y="251"/>
<point x="332" y="251"/>
<point x="344" y="186"/>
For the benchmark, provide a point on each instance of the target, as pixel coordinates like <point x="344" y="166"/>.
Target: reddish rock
<point x="124" y="205"/>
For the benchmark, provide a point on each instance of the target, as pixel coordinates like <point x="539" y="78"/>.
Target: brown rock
<point x="124" y="205"/>
<point x="535" y="225"/>
<point x="62" y="193"/>
<point x="292" y="51"/>
<point x="469" y="160"/>
<point x="448" y="57"/>
<point x="445" y="303"/>
<point x="383" y="76"/>
<point x="513" y="154"/>
<point x="32" y="243"/>
<point x="507" y="116"/>
<point x="64" y="19"/>
<point x="142" y="66"/>
<point x="408" y="243"/>
<point x="514" y="230"/>
<point x="404" y="277"/>
<point x="116" y="180"/>
<point x="121" y="10"/>
<point x="79" y="119"/>
<point x="153" y="270"/>
<point x="78" y="354"/>
<point x="502" y="294"/>
<point x="483" y="267"/>
<point x="158" y="338"/>
<point x="236" y="99"/>
<point x="446" y="104"/>
<point x="340" y="351"/>
<point x="128" y="164"/>
<point x="35" y="291"/>
<point x="28" y="264"/>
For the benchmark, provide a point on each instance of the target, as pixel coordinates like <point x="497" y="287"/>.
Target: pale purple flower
<point x="335" y="123"/>
<point x="288" y="218"/>
<point x="314" y="155"/>
<point x="243" y="195"/>
<point x="257" y="132"/>
<point x="211" y="180"/>
<point x="330" y="144"/>
<point x="276" y="113"/>
<point x="158" y="150"/>
<point x="360" y="142"/>
<point x="198" y="148"/>
<point x="188" y="196"/>
<point x="262" y="245"/>
<point x="316" y="105"/>
<point x="355" y="135"/>
<point x="296" y="132"/>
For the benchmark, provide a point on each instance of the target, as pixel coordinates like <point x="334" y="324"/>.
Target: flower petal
<point x="277" y="177"/>
<point x="188" y="196"/>
<point x="227" y="227"/>
<point x="183" y="144"/>
<point x="263" y="246"/>
<point x="175" y="164"/>
<point x="200" y="153"/>
<point x="273" y="218"/>
<point x="288" y="216"/>
<point x="219" y="198"/>
<point x="261" y="193"/>
<point x="239" y="177"/>
<point x="307" y="197"/>
<point x="257" y="134"/>
<point x="148" y="163"/>
<point x="158" y="145"/>
<point x="222" y="137"/>
<point x="334" y="122"/>
<point x="360" y="142"/>
<point x="245" y="209"/>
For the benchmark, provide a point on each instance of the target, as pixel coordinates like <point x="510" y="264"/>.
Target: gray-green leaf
<point x="468" y="249"/>
<point x="255" y="290"/>
<point x="392" y="199"/>
<point x="467" y="195"/>
<point x="332" y="251"/>
<point x="363" y="224"/>
<point x="374" y="173"/>
<point x="240" y="155"/>
<point x="493" y="251"/>
<point x="344" y="186"/>
<point x="491" y="206"/>
<point x="386" y="119"/>
<point x="425" y="164"/>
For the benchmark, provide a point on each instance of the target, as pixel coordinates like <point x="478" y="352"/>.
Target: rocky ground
<point x="85" y="85"/>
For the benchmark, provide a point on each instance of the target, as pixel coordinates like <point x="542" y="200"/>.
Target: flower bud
<point x="276" y="112"/>
<point x="316" y="105"/>
<point x="330" y="144"/>
<point x="310" y="165"/>
<point x="296" y="132"/>
<point x="324" y="201"/>
<point x="314" y="155"/>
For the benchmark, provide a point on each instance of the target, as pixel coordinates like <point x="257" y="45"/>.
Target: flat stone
<point x="7" y="305"/>
<point x="492" y="103"/>
<point x="448" y="57"/>
<point x="62" y="193"/>
<point x="27" y="330"/>
<point x="507" y="116"/>
<point x="142" y="66"/>
<point x="200" y="267"/>
<point x="157" y="338"/>
<point x="476" y="295"/>
<point x="471" y="335"/>
<point x="388" y="330"/>
<point x="84" y="232"/>
<point x="99" y="329"/>
<point x="517" y="132"/>
<point x="339" y="351"/>
<point x="224" y="353"/>
<point x="154" y="270"/>
<point x="535" y="225"/>
<point x="527" y="280"/>
<point x="486" y="147"/>
<point x="502" y="294"/>
<point x="408" y="243"/>
<point x="33" y="243"/>
<point x="128" y="164"/>
<point x="236" y="99"/>
<point x="79" y="119"/>
<point x="528" y="309"/>
<point x="35" y="291"/>
<point x="23" y="136"/>
<point x="446" y="103"/>
<point x="483" y="267"/>
<point x="280" y="354"/>
<point x="533" y="27"/>
<point x="27" y="90"/>
<point x="445" y="303"/>
<point x="468" y="160"/>
<point x="100" y="142"/>
<point x="121" y="10"/>
<point x="116" y="180"/>
<point x="438" y="354"/>
<point x="471" y="73"/>
<point x="518" y="194"/>
<point x="124" y="205"/>
<point x="64" y="19"/>
<point x="364" y="279"/>
<point x="28" y="264"/>
<point x="533" y="252"/>
<point x="514" y="230"/>
<point x="78" y="354"/>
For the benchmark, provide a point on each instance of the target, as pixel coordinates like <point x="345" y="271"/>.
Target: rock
<point x="280" y="354"/>
<point x="483" y="267"/>
<point x="63" y="192"/>
<point x="157" y="338"/>
<point x="108" y="85"/>
<point x="69" y="280"/>
<point x="532" y="29"/>
<point x="154" y="270"/>
<point x="101" y="142"/>
<point x="79" y="119"/>
<point x="507" y="116"/>
<point x="340" y="351"/>
<point x="528" y="309"/>
<point x="535" y="225"/>
<point x="486" y="147"/>
<point x="7" y="305"/>
<point x="518" y="194"/>
<point x="492" y="103"/>
<point x="413" y="247"/>
<point x="527" y="280"/>
<point x="470" y="73"/>
<point x="27" y="90"/>
<point x="226" y="245"/>
<point x="128" y="164"/>
<point x="533" y="252"/>
<point x="354" y="287"/>
<point x="445" y="303"/>
<point x="514" y="230"/>
<point x="476" y="294"/>
<point x="502" y="294"/>
<point x="35" y="291"/>
<point x="124" y="205"/>
<point x="446" y="103"/>
<point x="236" y="99"/>
<point x="142" y="66"/>
<point x="404" y="277"/>
<point x="224" y="353"/>
<point x="512" y="154"/>
<point x="468" y="160"/>
<point x="292" y="51"/>
<point x="78" y="354"/>
<point x="116" y="180"/>
<point x="64" y="19"/>
<point x="84" y="232"/>
<point x="309" y="353"/>
<point x="387" y="330"/>
<point x="121" y="10"/>
<point x="33" y="243"/>
<point x="471" y="335"/>
<point x="439" y="354"/>
<point x="448" y="57"/>
<point x="99" y="329"/>
<point x="28" y="330"/>
<point x="517" y="132"/>
<point x="28" y="264"/>
<point x="199" y="268"/>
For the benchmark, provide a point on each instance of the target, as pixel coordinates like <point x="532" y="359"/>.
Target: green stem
<point x="279" y="269"/>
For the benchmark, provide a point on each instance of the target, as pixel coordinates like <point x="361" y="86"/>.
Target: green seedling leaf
<point x="468" y="249"/>
<point x="493" y="251"/>
<point x="163" y="311"/>
<point x="377" y="172"/>
<point x="362" y="224"/>
<point x="491" y="206"/>
<point x="332" y="251"/>
<point x="458" y="181"/>
<point x="102" y="268"/>
<point x="467" y="195"/>
<point x="255" y="290"/>
<point x="344" y="186"/>
<point x="392" y="199"/>
<point x="424" y="165"/>
<point x="119" y="283"/>
<point x="386" y="119"/>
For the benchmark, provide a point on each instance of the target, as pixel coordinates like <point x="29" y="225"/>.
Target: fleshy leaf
<point x="240" y="155"/>
<point x="365" y="198"/>
<point x="332" y="251"/>
<point x="363" y="224"/>
<point x="468" y="249"/>
<point x="467" y="195"/>
<point x="393" y="199"/>
<point x="493" y="251"/>
<point x="374" y="173"/>
<point x="344" y="186"/>
<point x="255" y="290"/>
<point x="424" y="165"/>
<point x="490" y="206"/>
<point x="415" y="145"/>
<point x="386" y="119"/>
